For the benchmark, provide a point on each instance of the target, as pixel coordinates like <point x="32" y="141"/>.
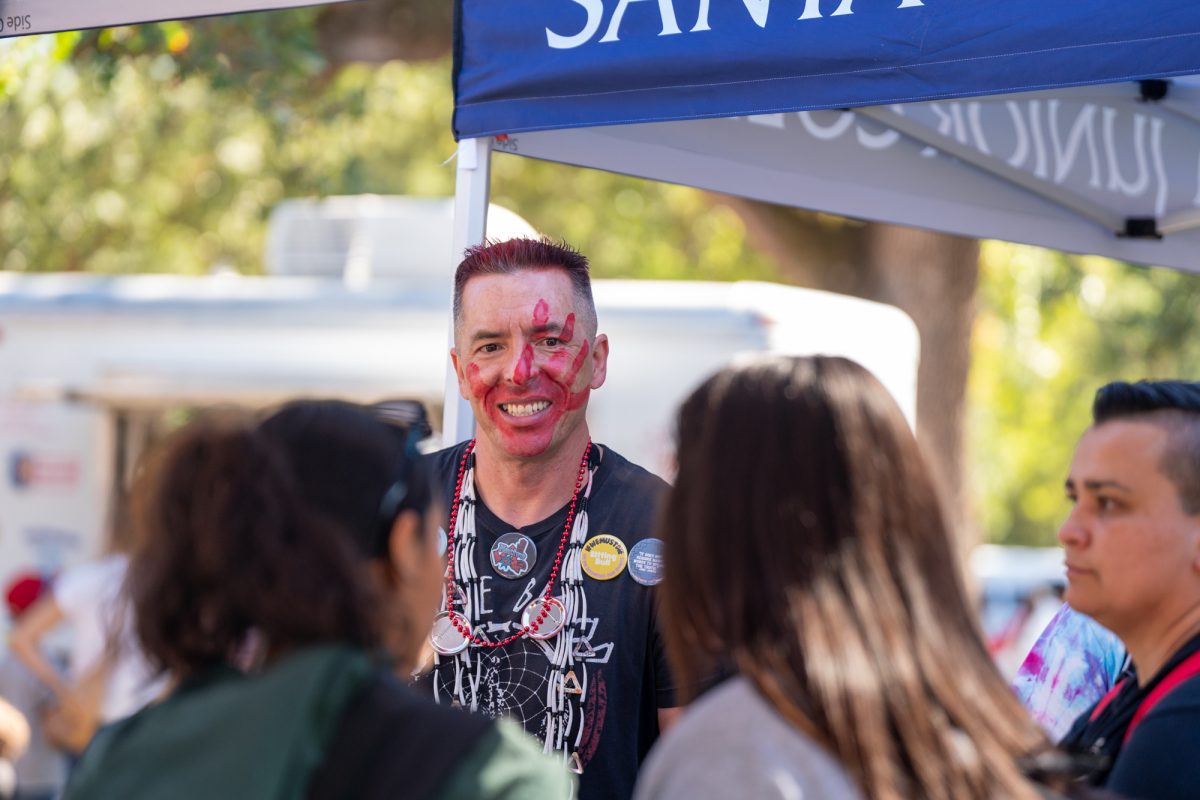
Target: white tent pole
<point x="471" y="188"/>
<point x="915" y="130"/>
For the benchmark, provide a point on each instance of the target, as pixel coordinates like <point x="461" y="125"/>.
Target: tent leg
<point x="472" y="185"/>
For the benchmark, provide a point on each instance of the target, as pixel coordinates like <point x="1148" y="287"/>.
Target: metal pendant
<point x="548" y="628"/>
<point x="513" y="555"/>
<point x="445" y="639"/>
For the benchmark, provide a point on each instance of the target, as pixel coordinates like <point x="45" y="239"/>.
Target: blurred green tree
<point x="164" y="147"/>
<point x="1051" y="329"/>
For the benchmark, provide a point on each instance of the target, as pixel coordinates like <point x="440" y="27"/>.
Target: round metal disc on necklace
<point x="556" y="617"/>
<point x="444" y="638"/>
<point x="513" y="555"/>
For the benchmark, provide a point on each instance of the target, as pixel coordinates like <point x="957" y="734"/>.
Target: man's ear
<point x="462" y="390"/>
<point x="599" y="361"/>
<point x="405" y="543"/>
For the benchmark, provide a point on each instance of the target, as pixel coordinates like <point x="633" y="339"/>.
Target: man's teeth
<point x="524" y="409"/>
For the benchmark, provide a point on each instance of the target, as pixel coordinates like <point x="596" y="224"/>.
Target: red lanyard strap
<point x="1188" y="668"/>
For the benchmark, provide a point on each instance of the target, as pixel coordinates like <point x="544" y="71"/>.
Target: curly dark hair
<point x="223" y="547"/>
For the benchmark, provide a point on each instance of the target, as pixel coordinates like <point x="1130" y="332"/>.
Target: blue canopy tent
<point x="1068" y="125"/>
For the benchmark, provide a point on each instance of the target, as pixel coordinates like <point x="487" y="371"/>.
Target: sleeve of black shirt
<point x="1161" y="761"/>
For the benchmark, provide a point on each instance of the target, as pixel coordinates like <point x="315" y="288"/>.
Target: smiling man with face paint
<point x="547" y="614"/>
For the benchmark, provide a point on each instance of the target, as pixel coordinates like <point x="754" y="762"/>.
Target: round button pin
<point x="604" y="557"/>
<point x="646" y="562"/>
<point x="513" y="555"/>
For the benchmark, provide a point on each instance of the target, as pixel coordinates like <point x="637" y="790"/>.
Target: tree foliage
<point x="163" y="148"/>
<point x="1051" y="329"/>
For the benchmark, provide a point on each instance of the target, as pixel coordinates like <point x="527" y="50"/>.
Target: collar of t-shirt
<point x="543" y="528"/>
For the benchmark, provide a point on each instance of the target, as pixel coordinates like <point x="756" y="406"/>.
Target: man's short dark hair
<point x="515" y="255"/>
<point x="1176" y="406"/>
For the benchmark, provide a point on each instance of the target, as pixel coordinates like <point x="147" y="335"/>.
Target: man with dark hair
<point x="548" y="614"/>
<point x="1132" y="545"/>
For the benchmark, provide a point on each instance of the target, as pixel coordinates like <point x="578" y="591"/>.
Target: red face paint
<point x="479" y="387"/>
<point x="541" y="313"/>
<point x="524" y="366"/>
<point x="538" y="377"/>
<point x="568" y="329"/>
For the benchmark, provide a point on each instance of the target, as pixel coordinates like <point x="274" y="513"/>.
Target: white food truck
<point x="355" y="305"/>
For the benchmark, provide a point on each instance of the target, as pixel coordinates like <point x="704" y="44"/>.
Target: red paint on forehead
<point x="568" y="329"/>
<point x="541" y="312"/>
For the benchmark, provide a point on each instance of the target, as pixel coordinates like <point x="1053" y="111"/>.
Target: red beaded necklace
<point x="454" y="616"/>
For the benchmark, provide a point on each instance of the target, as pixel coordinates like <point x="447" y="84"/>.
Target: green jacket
<point x="325" y="721"/>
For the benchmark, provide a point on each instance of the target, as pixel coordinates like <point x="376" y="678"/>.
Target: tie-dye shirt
<point x="1071" y="666"/>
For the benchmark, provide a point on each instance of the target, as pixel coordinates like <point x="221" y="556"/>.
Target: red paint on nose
<point x="541" y="313"/>
<point x="524" y="366"/>
<point x="568" y="329"/>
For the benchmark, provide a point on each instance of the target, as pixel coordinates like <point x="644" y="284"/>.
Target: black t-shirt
<point x="617" y="657"/>
<point x="1161" y="760"/>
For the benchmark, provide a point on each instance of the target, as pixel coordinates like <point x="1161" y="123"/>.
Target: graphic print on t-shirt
<point x="604" y="671"/>
<point x="514" y="680"/>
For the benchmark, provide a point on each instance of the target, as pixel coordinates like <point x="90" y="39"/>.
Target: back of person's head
<point x="1172" y="404"/>
<point x="359" y="472"/>
<point x="223" y="547"/>
<point x="805" y="542"/>
<point x="354" y="470"/>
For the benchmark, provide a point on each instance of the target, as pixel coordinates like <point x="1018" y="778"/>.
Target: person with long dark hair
<point x="274" y="567"/>
<point x="807" y="551"/>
